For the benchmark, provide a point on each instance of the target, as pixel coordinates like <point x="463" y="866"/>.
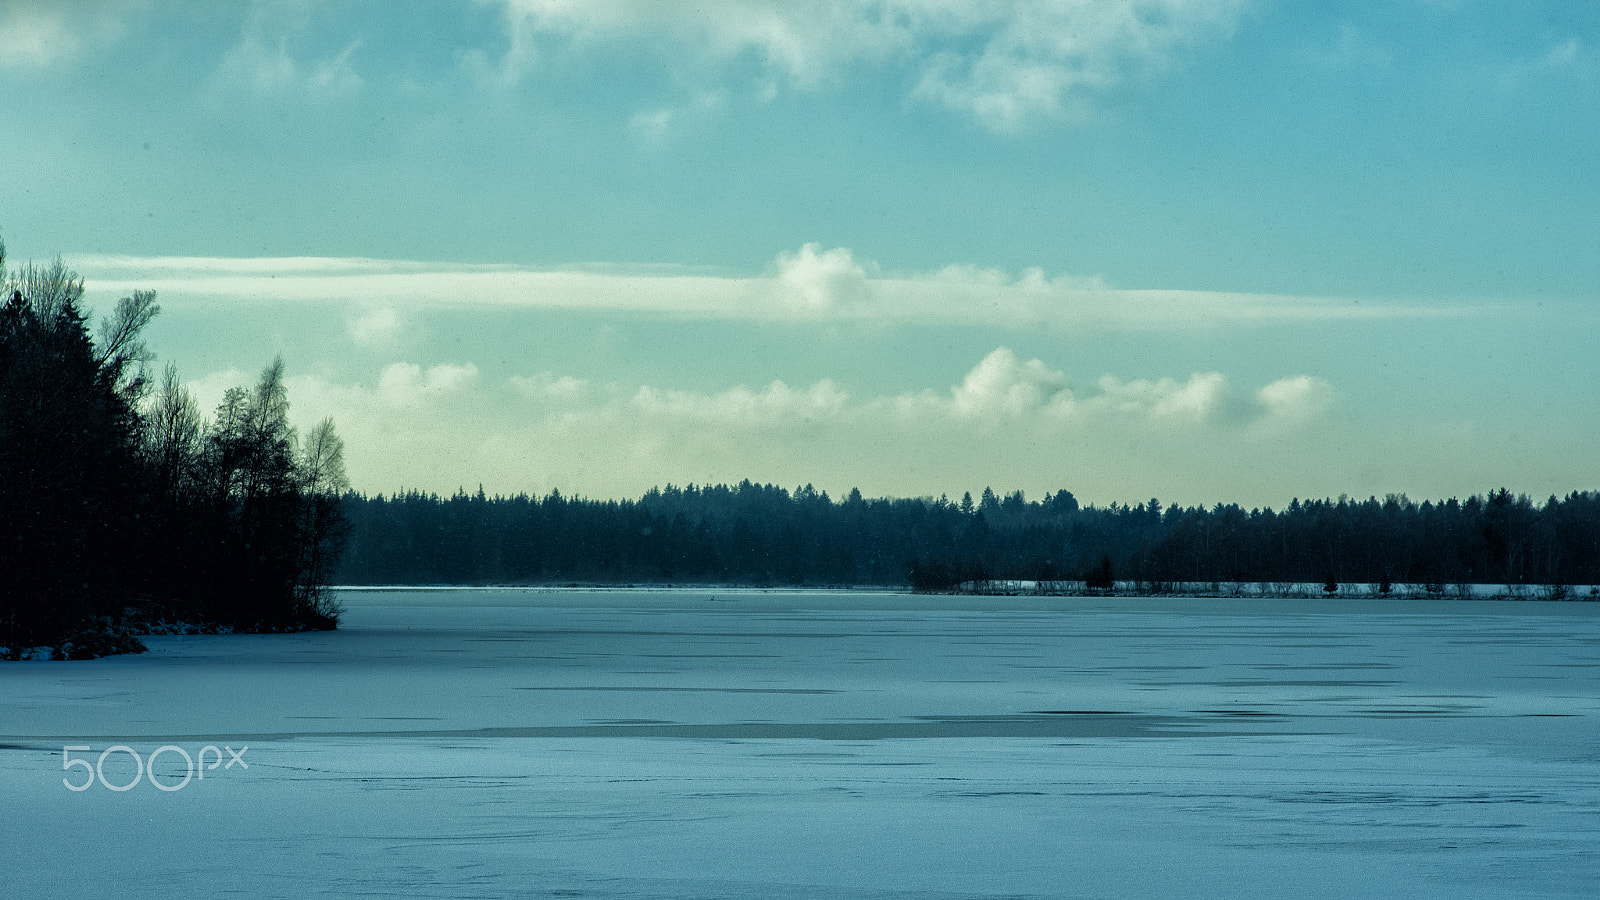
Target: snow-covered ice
<point x="805" y="744"/>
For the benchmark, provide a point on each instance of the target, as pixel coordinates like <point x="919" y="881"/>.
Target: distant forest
<point x="117" y="496"/>
<point x="764" y="534"/>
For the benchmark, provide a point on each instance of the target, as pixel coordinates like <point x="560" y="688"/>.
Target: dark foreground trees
<point x="113" y="495"/>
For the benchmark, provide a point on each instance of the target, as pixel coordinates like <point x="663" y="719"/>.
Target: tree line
<point x="764" y="534"/>
<point x="115" y="492"/>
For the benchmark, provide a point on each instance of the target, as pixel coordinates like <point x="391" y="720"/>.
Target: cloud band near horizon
<point x="810" y="284"/>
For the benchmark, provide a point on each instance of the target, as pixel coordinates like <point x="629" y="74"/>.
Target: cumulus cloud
<point x="817" y="281"/>
<point x="1006" y="63"/>
<point x="400" y="385"/>
<point x="408" y="384"/>
<point x="1298" y="398"/>
<point x="1000" y="388"/>
<point x="775" y="404"/>
<point x="444" y="425"/>
<point x="1003" y="388"/>
<point x="1002" y="383"/>
<point x="1204" y="397"/>
<point x="810" y="284"/>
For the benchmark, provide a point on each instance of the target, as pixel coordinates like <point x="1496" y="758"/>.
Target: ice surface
<point x="783" y="744"/>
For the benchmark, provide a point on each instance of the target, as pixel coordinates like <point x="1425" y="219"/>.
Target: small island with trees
<point x="123" y="510"/>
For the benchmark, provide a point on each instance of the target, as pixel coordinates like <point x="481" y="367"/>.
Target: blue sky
<point x="1196" y="249"/>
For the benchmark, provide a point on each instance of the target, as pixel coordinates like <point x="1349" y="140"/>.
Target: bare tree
<point x="172" y="437"/>
<point x="324" y="527"/>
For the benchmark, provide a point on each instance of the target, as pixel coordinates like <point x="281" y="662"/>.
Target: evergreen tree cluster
<point x="763" y="534"/>
<point x="114" y="492"/>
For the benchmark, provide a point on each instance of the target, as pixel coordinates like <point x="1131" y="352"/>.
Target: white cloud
<point x="817" y="281"/>
<point x="37" y="34"/>
<point x="399" y="386"/>
<point x="1298" y="398"/>
<point x="653" y="125"/>
<point x="551" y="389"/>
<point x="1353" y="48"/>
<point x="268" y="69"/>
<point x="375" y="326"/>
<point x="1041" y="57"/>
<point x="1001" y="383"/>
<point x="1204" y="397"/>
<point x="408" y="384"/>
<point x="270" y="266"/>
<point x="775" y="404"/>
<point x="1003" y="389"/>
<point x="802" y="43"/>
<point x="1561" y="58"/>
<point x="1006" y="63"/>
<point x="262" y="63"/>
<point x="1000" y="388"/>
<point x="1563" y="53"/>
<point x="657" y="126"/>
<point x="442" y="426"/>
<point x="811" y="284"/>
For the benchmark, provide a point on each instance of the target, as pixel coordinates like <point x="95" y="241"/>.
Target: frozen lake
<point x="713" y="743"/>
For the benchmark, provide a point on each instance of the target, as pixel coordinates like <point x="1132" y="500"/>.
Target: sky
<point x="1199" y="250"/>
